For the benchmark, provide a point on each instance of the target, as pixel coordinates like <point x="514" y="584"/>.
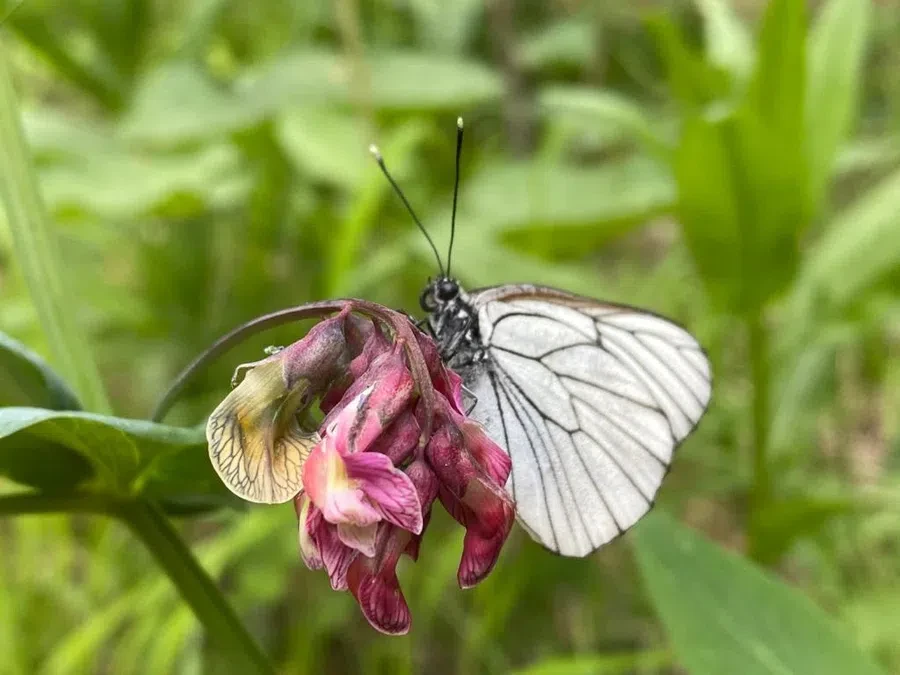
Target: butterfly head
<point x="439" y="294"/>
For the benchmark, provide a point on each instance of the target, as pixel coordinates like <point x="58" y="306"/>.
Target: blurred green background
<point x="206" y="161"/>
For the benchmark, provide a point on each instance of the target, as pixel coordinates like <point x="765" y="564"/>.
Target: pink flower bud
<point x="472" y="495"/>
<point x="364" y="483"/>
<point x="373" y="582"/>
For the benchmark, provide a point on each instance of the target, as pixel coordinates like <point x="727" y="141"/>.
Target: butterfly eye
<point x="447" y="290"/>
<point x="426" y="300"/>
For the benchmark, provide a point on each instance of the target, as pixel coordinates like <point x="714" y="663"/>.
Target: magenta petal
<point x="379" y="396"/>
<point x="446" y="382"/>
<point x="308" y="519"/>
<point x="349" y="506"/>
<point x="479" y="556"/>
<point x="335" y="555"/>
<point x="361" y="538"/>
<point x="383" y="604"/>
<point x="400" y="439"/>
<point x="390" y="491"/>
<point x="489" y="456"/>
<point x="487" y="514"/>
<point x="374" y="584"/>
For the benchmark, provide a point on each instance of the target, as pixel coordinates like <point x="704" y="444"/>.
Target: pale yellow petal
<point x="255" y="443"/>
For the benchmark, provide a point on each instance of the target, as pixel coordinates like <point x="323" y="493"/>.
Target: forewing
<point x="590" y="399"/>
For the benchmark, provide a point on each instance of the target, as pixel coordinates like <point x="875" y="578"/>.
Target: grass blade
<point x="36" y="252"/>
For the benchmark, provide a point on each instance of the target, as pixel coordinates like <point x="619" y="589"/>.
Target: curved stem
<point x="152" y="527"/>
<point x="398" y="322"/>
<point x="235" y="337"/>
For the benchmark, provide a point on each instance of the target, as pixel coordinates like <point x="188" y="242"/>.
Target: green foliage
<point x="731" y="164"/>
<point x="125" y="456"/>
<point x="724" y="615"/>
<point x="741" y="171"/>
<point x="29" y="381"/>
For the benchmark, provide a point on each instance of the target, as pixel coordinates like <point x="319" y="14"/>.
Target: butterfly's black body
<point x="453" y="322"/>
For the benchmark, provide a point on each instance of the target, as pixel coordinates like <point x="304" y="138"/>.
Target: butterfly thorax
<point x="453" y="323"/>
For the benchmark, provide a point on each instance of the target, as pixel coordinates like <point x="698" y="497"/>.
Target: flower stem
<point x="234" y="338"/>
<point x="36" y="253"/>
<point x="150" y="525"/>
<point x="397" y="322"/>
<point x="759" y="365"/>
<point x="197" y="588"/>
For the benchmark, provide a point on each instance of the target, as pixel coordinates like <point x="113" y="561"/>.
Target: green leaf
<point x="177" y="103"/>
<point x="725" y="615"/>
<point x="37" y="254"/>
<point x="777" y="91"/>
<point x="570" y="42"/>
<point x="397" y="80"/>
<point x="741" y="203"/>
<point x="606" y="110"/>
<point x="859" y="248"/>
<point x="600" y="664"/>
<point x="836" y="51"/>
<point x="561" y="210"/>
<point x="28" y="380"/>
<point x="63" y="450"/>
<point x="693" y="81"/>
<point x="728" y="43"/>
<point x="119" y="185"/>
<point x="446" y="27"/>
<point x="784" y="520"/>
<point x="327" y="144"/>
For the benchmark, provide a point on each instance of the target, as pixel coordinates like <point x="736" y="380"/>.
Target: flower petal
<point x="445" y="381"/>
<point x="489" y="456"/>
<point x="479" y="556"/>
<point x="307" y="515"/>
<point x="318" y="356"/>
<point x="256" y="450"/>
<point x="374" y="584"/>
<point x="400" y="439"/>
<point x="372" y="402"/>
<point x="484" y="538"/>
<point x="338" y="495"/>
<point x="359" y="537"/>
<point x="335" y="555"/>
<point x="390" y="491"/>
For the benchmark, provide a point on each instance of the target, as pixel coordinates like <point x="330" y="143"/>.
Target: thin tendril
<point x="378" y="158"/>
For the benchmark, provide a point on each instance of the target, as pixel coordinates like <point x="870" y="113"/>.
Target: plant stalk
<point x="758" y="343"/>
<point x="36" y="252"/>
<point x="152" y="527"/>
<point x="148" y="523"/>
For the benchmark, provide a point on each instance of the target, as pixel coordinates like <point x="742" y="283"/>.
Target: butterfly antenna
<point x="376" y="153"/>
<point x="459" y="142"/>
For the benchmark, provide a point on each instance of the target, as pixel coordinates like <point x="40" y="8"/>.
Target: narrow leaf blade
<point x="28" y="380"/>
<point x="724" y="615"/>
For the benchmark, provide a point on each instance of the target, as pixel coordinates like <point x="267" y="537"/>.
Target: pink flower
<point x="394" y="439"/>
<point x="354" y="489"/>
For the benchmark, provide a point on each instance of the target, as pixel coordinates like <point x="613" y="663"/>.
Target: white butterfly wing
<point x="590" y="400"/>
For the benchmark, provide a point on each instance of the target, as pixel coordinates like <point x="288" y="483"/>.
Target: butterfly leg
<point x="471" y="400"/>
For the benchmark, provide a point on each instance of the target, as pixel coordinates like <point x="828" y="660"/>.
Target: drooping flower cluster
<point x="394" y="439"/>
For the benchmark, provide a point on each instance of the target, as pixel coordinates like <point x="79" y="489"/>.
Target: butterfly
<point x="589" y="398"/>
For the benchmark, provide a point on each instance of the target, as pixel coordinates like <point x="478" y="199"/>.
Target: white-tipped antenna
<point x="459" y="142"/>
<point x="376" y="153"/>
